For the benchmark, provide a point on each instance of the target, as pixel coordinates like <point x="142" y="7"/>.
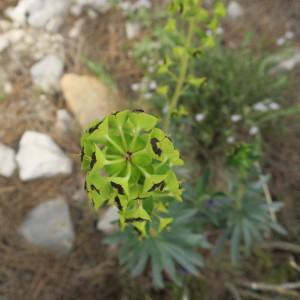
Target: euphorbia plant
<point x="129" y="163"/>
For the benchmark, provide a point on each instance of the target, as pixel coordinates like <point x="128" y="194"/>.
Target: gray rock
<point x="8" y="162"/>
<point x="234" y="9"/>
<point x="48" y="14"/>
<point x="64" y="121"/>
<point x="49" y="225"/>
<point x="47" y="72"/>
<point x="106" y="220"/>
<point x="39" y="156"/>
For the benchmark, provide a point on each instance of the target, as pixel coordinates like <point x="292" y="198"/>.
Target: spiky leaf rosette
<point x="170" y="254"/>
<point x="129" y="163"/>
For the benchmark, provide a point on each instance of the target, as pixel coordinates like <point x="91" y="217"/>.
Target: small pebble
<point x="7" y="88"/>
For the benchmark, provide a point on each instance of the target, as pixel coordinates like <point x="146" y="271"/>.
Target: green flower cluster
<point x="129" y="164"/>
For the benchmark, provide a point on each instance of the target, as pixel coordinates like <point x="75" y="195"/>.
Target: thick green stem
<point x="239" y="196"/>
<point x="184" y="64"/>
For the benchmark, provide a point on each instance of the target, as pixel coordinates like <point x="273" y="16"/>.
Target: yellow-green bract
<point x="129" y="163"/>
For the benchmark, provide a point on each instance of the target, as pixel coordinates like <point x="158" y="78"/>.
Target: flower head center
<point x="128" y="155"/>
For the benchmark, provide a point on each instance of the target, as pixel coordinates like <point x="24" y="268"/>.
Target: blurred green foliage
<point x="239" y="94"/>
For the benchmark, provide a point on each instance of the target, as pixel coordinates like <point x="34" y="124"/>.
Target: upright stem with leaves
<point x="191" y="27"/>
<point x="184" y="64"/>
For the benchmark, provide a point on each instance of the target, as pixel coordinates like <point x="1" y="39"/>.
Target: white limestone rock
<point x="48" y="14"/>
<point x="15" y="35"/>
<point x="10" y="37"/>
<point x="47" y="72"/>
<point x="8" y="162"/>
<point x="29" y="41"/>
<point x="99" y="5"/>
<point x="49" y="225"/>
<point x="132" y="29"/>
<point x="39" y="156"/>
<point x="235" y="9"/>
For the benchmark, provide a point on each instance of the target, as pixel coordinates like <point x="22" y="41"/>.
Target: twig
<point x="95" y="271"/>
<point x="267" y="193"/>
<point x="271" y="287"/>
<point x="233" y="290"/>
<point x="281" y="246"/>
<point x="284" y="289"/>
<point x="293" y="263"/>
